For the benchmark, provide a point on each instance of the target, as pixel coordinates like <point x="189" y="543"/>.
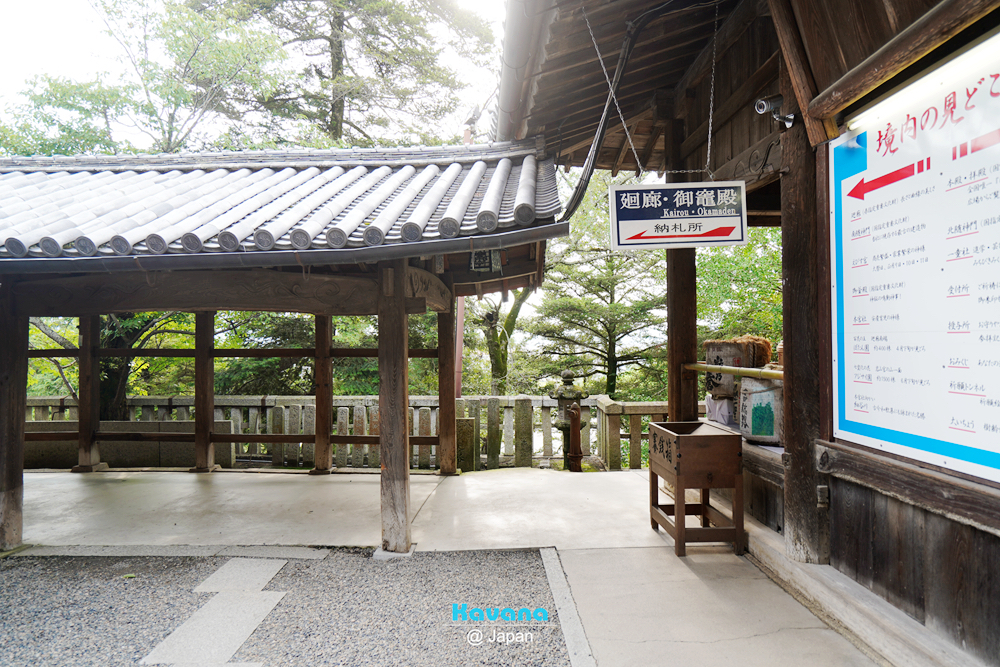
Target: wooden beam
<point x="824" y="315"/>
<point x="807" y="527"/>
<point x="730" y="31"/>
<point x="757" y="165"/>
<point x="947" y="19"/>
<point x="803" y="82"/>
<point x="625" y="148"/>
<point x="447" y="447"/>
<point x="511" y="270"/>
<point x="13" y="392"/>
<point x="204" y="392"/>
<point x="203" y="291"/>
<point x="89" y="395"/>
<point x="393" y="339"/>
<point x="744" y="96"/>
<point x="324" y="396"/>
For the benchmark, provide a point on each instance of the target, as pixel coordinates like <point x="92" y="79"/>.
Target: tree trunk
<point x="335" y="123"/>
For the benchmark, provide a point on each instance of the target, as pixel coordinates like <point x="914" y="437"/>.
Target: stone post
<point x="464" y="427"/>
<point x="522" y="432"/>
<point x="492" y="433"/>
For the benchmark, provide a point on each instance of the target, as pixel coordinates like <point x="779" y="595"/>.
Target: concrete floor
<point x="638" y="603"/>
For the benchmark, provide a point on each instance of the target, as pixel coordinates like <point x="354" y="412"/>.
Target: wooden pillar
<point x="682" y="334"/>
<point x="204" y="392"/>
<point x="807" y="529"/>
<point x="13" y="399"/>
<point x="393" y="370"/>
<point x="324" y="395"/>
<point x="682" y="308"/>
<point x="446" y="391"/>
<point x="89" y="396"/>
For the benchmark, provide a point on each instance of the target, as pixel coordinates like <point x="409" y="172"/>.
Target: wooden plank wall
<point x="940" y="572"/>
<point x="746" y="127"/>
<point x="833" y="50"/>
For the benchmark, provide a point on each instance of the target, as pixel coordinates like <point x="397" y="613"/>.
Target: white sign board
<point x="915" y="227"/>
<point x="678" y="215"/>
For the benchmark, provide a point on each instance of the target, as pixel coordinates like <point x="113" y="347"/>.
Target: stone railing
<point x="355" y="415"/>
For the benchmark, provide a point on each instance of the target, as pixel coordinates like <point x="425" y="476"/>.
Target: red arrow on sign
<point x="862" y="188"/>
<point x="718" y="231"/>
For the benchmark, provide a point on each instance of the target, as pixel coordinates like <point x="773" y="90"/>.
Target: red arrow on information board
<point x="718" y="231"/>
<point x="863" y="188"/>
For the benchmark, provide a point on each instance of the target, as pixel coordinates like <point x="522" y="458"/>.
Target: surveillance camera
<point x="769" y="103"/>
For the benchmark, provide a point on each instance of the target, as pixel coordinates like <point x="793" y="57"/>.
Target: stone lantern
<point x="567" y="395"/>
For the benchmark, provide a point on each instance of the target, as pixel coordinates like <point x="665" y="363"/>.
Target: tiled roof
<point x="303" y="200"/>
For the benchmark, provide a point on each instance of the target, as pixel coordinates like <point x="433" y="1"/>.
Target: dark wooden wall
<point x="942" y="573"/>
<point x="833" y="50"/>
<point x="733" y="68"/>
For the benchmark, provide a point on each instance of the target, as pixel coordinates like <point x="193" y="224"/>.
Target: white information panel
<point x="915" y="199"/>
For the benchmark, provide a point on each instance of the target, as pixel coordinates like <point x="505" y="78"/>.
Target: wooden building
<point x="355" y="232"/>
<point x="897" y="486"/>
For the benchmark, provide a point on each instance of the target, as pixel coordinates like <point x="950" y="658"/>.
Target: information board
<point x="915" y="227"/>
<point x="678" y="215"/>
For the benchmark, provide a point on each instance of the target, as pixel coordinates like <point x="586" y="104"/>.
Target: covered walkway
<point x="636" y="601"/>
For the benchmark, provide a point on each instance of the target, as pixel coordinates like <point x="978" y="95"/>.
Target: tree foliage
<point x="602" y="311"/>
<point x="370" y="71"/>
<point x="739" y="287"/>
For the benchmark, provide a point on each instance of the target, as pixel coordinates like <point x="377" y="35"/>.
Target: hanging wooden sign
<point x="678" y="215"/>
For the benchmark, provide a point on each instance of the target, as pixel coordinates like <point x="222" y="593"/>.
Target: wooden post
<point x="204" y="392"/>
<point x="89" y="395"/>
<point x="13" y="399"/>
<point x="682" y="334"/>
<point x="807" y="528"/>
<point x="446" y="451"/>
<point x="682" y="312"/>
<point x="393" y="370"/>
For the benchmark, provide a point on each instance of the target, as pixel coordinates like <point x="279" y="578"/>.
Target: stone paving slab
<point x="710" y="608"/>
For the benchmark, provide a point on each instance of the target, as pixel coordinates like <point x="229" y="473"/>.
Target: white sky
<point x="66" y="38"/>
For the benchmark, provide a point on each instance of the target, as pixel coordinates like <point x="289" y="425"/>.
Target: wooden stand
<point x="696" y="455"/>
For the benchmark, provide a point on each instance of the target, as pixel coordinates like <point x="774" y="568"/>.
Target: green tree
<point x="739" y="287"/>
<point x="498" y="329"/>
<point x="190" y="74"/>
<point x="602" y="311"/>
<point x="371" y="70"/>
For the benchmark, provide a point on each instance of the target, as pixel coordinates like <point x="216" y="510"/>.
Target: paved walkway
<point x="636" y="603"/>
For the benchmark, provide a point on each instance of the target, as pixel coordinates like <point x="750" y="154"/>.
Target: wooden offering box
<point x="696" y="455"/>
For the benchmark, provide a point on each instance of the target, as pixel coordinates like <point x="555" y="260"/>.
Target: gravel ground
<point x="344" y="610"/>
<point x="83" y="611"/>
<point x="351" y="610"/>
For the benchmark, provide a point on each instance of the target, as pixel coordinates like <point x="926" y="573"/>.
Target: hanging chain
<point x="711" y="97"/>
<point x="621" y="116"/>
<point x="611" y="88"/>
